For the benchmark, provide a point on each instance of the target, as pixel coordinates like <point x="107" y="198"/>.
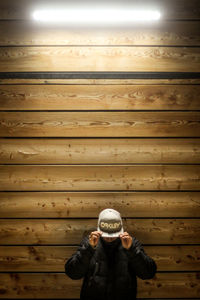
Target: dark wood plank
<point x="38" y="285"/>
<point x="63" y="232"/>
<point x="89" y="204"/>
<point x="60" y="286"/>
<point x="99" y="124"/>
<point x="53" y="258"/>
<point x="170" y="285"/>
<point x="125" y="59"/>
<point x="99" y="97"/>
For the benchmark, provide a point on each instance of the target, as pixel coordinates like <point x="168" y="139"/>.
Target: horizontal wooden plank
<point x="167" y="285"/>
<point x="37" y="286"/>
<point x="60" y="286"/>
<point x="63" y="232"/>
<point x="171" y="9"/>
<point x="99" y="97"/>
<point x="89" y="204"/>
<point x="127" y="59"/>
<point x="53" y="258"/>
<point x="101" y="177"/>
<point x="100" y="124"/>
<point x="21" y="33"/>
<point x="66" y="81"/>
<point x="99" y="151"/>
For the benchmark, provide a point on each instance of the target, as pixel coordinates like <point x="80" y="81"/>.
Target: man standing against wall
<point x="109" y="260"/>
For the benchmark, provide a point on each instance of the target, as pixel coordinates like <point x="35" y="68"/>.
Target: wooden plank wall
<point x="72" y="147"/>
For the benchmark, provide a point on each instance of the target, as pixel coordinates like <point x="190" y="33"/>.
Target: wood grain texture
<point x="173" y="285"/>
<point x="60" y="286"/>
<point x="127" y="59"/>
<point x="63" y="232"/>
<point x="99" y="124"/>
<point x="102" y="177"/>
<point x="21" y="33"/>
<point x="171" y="9"/>
<point x="99" y="151"/>
<point x="99" y="97"/>
<point x="89" y="204"/>
<point x="69" y="81"/>
<point x="37" y="286"/>
<point x="53" y="258"/>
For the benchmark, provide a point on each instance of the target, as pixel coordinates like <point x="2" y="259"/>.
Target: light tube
<point x="98" y="16"/>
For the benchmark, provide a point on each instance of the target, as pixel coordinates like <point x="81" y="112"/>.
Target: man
<point x="109" y="261"/>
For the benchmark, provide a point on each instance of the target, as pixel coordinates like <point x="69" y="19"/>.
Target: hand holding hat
<point x="126" y="240"/>
<point x="94" y="238"/>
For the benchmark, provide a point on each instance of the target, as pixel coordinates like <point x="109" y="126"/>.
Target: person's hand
<point x="94" y="238"/>
<point x="126" y="240"/>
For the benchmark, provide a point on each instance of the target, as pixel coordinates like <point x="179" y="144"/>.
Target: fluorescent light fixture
<point x="95" y="16"/>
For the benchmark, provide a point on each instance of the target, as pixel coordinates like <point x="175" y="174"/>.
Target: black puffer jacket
<point x="110" y="270"/>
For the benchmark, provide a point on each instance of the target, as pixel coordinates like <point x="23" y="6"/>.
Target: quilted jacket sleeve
<point x="77" y="265"/>
<point x="140" y="263"/>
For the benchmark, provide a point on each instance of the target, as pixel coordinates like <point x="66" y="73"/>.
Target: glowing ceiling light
<point x="97" y="16"/>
